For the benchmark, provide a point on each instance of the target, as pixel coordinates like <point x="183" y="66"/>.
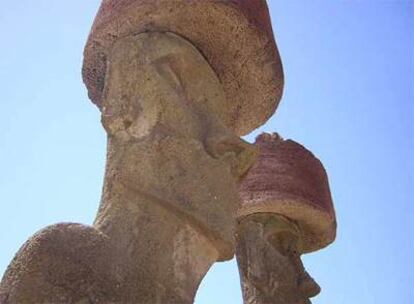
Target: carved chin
<point x="183" y="177"/>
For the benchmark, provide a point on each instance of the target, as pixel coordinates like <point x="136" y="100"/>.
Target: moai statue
<point x="286" y="210"/>
<point x="177" y="83"/>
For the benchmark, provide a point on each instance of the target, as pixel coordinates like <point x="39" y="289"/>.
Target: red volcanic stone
<point x="235" y="36"/>
<point x="289" y="180"/>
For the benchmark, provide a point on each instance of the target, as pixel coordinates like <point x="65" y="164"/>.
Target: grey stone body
<point x="170" y="191"/>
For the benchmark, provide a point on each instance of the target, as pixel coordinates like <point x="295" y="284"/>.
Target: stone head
<point x="269" y="251"/>
<point x="165" y="112"/>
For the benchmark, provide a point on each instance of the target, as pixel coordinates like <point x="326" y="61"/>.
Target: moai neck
<point x="160" y="258"/>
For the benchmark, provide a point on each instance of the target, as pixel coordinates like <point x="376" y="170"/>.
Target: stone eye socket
<point x="285" y="243"/>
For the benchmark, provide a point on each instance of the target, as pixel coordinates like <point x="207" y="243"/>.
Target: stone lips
<point x="235" y="36"/>
<point x="289" y="180"/>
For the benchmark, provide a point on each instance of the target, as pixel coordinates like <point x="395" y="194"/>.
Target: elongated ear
<point x="129" y="107"/>
<point x="134" y="124"/>
<point x="115" y="126"/>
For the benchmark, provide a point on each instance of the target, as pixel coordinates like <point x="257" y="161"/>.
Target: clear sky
<point x="348" y="98"/>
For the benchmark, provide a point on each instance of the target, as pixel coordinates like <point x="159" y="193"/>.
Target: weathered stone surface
<point x="170" y="191"/>
<point x="162" y="107"/>
<point x="289" y="180"/>
<point x="235" y="36"/>
<point x="63" y="263"/>
<point x="268" y="256"/>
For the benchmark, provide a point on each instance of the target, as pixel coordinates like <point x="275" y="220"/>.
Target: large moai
<point x="177" y="83"/>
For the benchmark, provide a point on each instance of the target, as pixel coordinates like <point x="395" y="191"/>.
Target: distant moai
<point x="177" y="83"/>
<point x="285" y="210"/>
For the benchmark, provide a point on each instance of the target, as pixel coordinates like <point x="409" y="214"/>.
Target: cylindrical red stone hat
<point x="235" y="36"/>
<point x="289" y="180"/>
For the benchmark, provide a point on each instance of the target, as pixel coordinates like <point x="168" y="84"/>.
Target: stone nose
<point x="308" y="286"/>
<point x="223" y="144"/>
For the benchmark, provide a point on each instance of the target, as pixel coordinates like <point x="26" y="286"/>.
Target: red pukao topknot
<point x="235" y="36"/>
<point x="289" y="180"/>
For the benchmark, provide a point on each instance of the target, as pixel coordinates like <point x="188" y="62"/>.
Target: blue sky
<point x="348" y="98"/>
